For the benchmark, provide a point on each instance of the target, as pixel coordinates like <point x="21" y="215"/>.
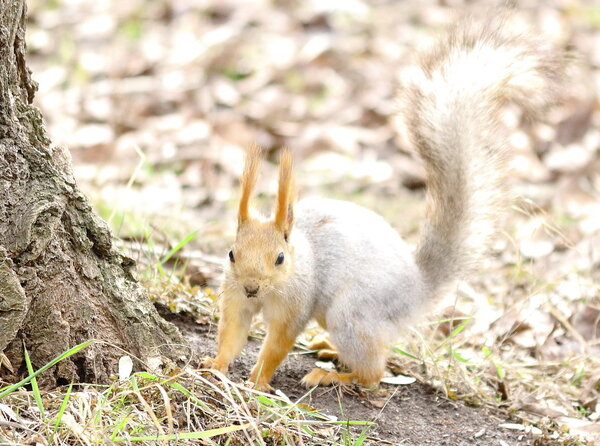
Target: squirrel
<point x="344" y="265"/>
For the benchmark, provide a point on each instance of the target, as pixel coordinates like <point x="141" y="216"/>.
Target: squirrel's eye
<point x="279" y="260"/>
<point x="231" y="257"/>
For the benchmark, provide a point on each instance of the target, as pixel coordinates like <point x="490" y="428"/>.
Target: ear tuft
<point x="284" y="214"/>
<point x="248" y="181"/>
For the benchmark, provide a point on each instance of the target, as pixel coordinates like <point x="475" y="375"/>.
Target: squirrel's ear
<point x="284" y="213"/>
<point x="248" y="181"/>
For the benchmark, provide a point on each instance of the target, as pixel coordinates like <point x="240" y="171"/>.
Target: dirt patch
<point x="413" y="415"/>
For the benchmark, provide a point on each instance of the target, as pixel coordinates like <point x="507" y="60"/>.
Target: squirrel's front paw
<point x="259" y="381"/>
<point x="215" y="364"/>
<point x="261" y="386"/>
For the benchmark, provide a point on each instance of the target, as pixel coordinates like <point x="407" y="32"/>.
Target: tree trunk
<point x="61" y="280"/>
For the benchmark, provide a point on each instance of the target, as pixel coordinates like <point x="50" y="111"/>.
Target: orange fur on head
<point x="248" y="181"/>
<point x="284" y="216"/>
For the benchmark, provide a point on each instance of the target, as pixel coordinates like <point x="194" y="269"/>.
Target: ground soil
<point x="413" y="415"/>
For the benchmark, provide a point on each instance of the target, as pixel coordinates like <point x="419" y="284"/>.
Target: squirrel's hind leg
<point x="366" y="370"/>
<point x="361" y="346"/>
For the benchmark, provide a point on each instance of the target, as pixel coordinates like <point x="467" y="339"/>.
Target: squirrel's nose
<point x="251" y="290"/>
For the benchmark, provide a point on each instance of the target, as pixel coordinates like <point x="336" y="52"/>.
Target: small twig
<point x="567" y="325"/>
<point x="15" y="425"/>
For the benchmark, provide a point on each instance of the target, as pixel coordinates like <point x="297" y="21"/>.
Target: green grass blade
<point x="185" y="435"/>
<point x="460" y="327"/>
<point x="353" y="423"/>
<point x="178" y="247"/>
<point x="9" y="389"/>
<point x="448" y="320"/>
<point x="499" y="370"/>
<point x="405" y="353"/>
<point x="119" y="427"/>
<point x="102" y="401"/>
<point x="362" y="437"/>
<point x="63" y="407"/>
<point x="459" y="357"/>
<point x="34" y="387"/>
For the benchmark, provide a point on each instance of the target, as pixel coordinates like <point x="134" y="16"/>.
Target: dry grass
<point x="187" y="407"/>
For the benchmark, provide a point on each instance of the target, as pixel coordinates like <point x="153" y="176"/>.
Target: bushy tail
<point x="451" y="110"/>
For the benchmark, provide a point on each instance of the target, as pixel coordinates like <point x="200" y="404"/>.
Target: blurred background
<point x="157" y="100"/>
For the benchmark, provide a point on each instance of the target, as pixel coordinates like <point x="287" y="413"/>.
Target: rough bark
<point x="61" y="280"/>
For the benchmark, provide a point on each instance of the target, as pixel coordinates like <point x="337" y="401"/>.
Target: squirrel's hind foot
<point x="320" y="377"/>
<point x="327" y="354"/>
<point x="325" y="349"/>
<point x="261" y="386"/>
<point x="215" y="364"/>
